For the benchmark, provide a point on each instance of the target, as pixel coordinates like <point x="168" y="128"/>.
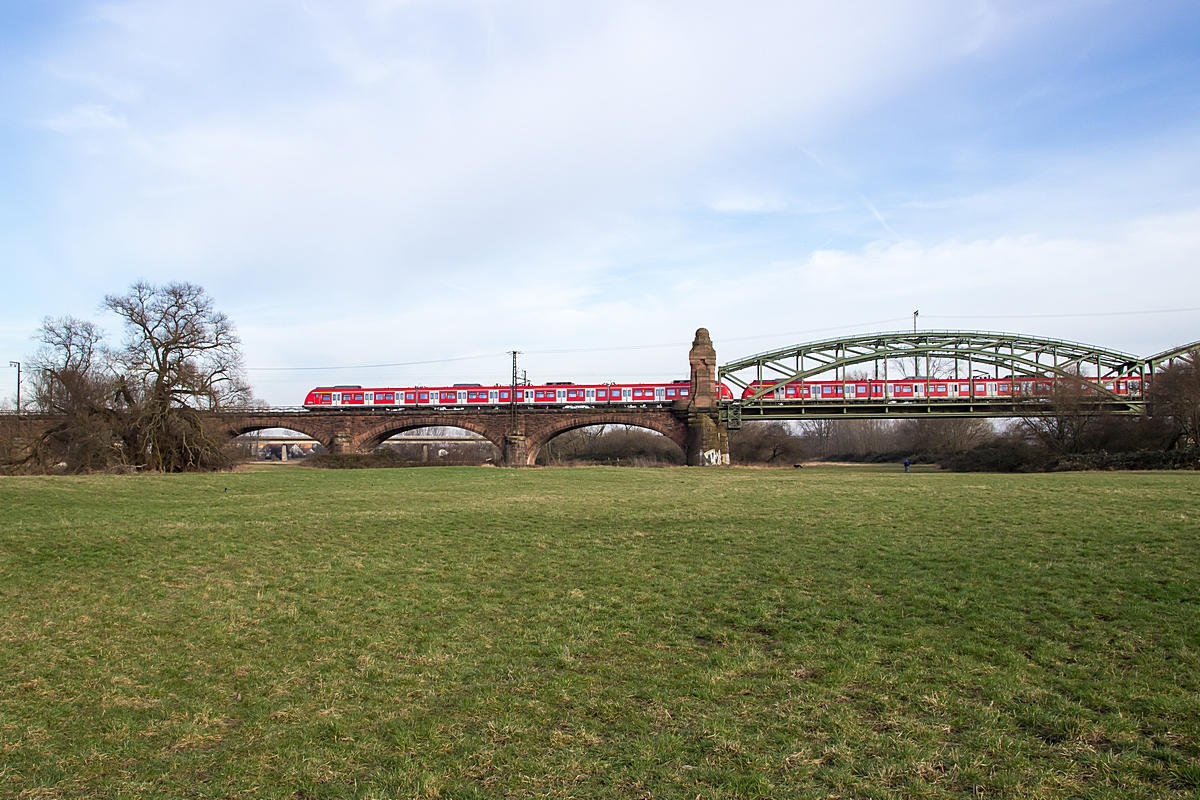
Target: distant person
<point x="906" y="464"/>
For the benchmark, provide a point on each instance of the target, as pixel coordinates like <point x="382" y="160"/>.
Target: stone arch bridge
<point x="518" y="432"/>
<point x="519" y="437"/>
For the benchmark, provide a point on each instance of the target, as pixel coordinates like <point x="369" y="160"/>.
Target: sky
<point x="397" y="192"/>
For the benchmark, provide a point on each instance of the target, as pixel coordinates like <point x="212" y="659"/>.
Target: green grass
<point x="661" y="633"/>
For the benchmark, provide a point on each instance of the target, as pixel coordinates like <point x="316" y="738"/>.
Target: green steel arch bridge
<point x="973" y="356"/>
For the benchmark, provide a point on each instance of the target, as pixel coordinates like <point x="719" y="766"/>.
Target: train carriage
<point x="473" y="394"/>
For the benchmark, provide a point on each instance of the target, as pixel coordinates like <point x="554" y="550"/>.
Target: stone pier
<point x="708" y="437"/>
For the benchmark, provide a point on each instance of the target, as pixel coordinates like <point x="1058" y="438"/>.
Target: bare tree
<point x="179" y="351"/>
<point x="942" y="436"/>
<point x="180" y="356"/>
<point x="67" y="368"/>
<point x="1074" y="408"/>
<point x="1177" y="392"/>
<point x="769" y="442"/>
<point x="71" y="381"/>
<point x="821" y="433"/>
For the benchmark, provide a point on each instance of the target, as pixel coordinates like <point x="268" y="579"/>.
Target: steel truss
<point x="956" y="354"/>
<point x="1164" y="358"/>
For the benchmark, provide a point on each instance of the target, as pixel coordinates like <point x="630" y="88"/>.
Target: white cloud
<point x="488" y="150"/>
<point x="748" y="204"/>
<point x="85" y="118"/>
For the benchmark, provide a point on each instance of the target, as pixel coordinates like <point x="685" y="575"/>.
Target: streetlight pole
<point x="916" y="359"/>
<point x="17" y="364"/>
<point x="512" y="395"/>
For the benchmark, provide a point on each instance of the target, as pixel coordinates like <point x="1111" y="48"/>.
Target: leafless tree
<point x="770" y="442"/>
<point x="820" y="432"/>
<point x="943" y="436"/>
<point x="1074" y="409"/>
<point x="180" y="357"/>
<point x="71" y="381"/>
<point x="179" y="350"/>
<point x="67" y="369"/>
<point x="1176" y="392"/>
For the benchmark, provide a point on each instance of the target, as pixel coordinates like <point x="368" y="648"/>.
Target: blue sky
<point x="362" y="183"/>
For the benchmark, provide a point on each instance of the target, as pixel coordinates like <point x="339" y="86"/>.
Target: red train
<point x="473" y="394"/>
<point x="930" y="389"/>
<point x="627" y="394"/>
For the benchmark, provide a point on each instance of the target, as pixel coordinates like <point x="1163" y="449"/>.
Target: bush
<point x="1006" y="455"/>
<point x="613" y="446"/>
<point x="1013" y="456"/>
<point x="380" y="458"/>
<point x="772" y="443"/>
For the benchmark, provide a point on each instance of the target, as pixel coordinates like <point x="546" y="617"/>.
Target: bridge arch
<point x="377" y="434"/>
<point x="664" y="423"/>
<point x="1004" y="353"/>
<point x="237" y="427"/>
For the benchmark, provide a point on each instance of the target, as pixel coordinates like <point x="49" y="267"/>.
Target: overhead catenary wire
<point x="665" y="345"/>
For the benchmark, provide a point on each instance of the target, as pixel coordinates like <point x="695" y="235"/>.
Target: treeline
<point x="138" y="404"/>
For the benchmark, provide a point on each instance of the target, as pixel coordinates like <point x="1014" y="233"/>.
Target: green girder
<point x="1155" y="361"/>
<point x="1014" y="354"/>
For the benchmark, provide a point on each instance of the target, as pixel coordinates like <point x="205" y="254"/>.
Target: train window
<point x="670" y="392"/>
<point x="503" y="394"/>
<point x="602" y="394"/>
<point x="683" y="392"/>
<point x="326" y="398"/>
<point x="424" y="396"/>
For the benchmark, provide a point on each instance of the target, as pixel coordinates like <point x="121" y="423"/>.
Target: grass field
<point x="461" y="632"/>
